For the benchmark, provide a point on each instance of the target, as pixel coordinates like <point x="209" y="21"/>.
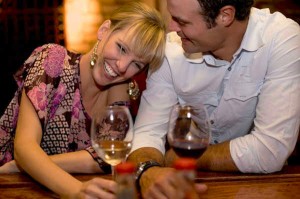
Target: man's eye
<point x="180" y="22"/>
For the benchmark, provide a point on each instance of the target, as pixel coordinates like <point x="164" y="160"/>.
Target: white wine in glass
<point x="112" y="134"/>
<point x="189" y="130"/>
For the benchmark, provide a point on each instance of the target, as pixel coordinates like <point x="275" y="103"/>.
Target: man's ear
<point x="226" y="15"/>
<point x="103" y="29"/>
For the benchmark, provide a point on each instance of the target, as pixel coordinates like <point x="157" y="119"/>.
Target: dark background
<point x="25" y="25"/>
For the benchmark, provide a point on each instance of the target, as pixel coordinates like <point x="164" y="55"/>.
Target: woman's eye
<point x="139" y="66"/>
<point x="121" y="49"/>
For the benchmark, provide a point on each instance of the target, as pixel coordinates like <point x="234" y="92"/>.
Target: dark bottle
<point x="125" y="173"/>
<point x="186" y="167"/>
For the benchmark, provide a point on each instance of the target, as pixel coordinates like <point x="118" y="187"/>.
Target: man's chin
<point x="189" y="49"/>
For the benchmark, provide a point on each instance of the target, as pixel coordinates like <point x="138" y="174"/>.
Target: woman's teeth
<point x="109" y="70"/>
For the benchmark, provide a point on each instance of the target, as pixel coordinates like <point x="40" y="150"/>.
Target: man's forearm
<point x="146" y="153"/>
<point x="148" y="177"/>
<point x="215" y="158"/>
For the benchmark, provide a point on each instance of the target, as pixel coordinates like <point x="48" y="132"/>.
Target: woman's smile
<point x="109" y="70"/>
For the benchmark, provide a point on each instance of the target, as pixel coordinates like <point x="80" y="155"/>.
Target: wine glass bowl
<point x="189" y="130"/>
<point x="112" y="134"/>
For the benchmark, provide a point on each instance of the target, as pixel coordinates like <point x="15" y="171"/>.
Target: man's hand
<point x="159" y="182"/>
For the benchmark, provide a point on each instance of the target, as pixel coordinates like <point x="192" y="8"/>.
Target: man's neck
<point x="234" y="37"/>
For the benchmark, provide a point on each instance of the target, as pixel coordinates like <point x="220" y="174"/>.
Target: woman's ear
<point x="103" y="29"/>
<point x="226" y="15"/>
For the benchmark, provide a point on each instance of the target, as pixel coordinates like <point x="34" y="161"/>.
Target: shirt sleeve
<point x="275" y="131"/>
<point x="153" y="114"/>
<point x="41" y="73"/>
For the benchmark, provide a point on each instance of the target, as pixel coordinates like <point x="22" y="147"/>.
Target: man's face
<point x="191" y="26"/>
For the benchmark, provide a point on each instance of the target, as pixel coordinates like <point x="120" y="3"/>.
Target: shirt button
<point x="212" y="122"/>
<point x="229" y="69"/>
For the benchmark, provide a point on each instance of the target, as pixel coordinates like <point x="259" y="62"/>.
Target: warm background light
<point x="82" y="19"/>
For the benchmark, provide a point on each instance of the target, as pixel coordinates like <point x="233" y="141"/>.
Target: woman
<point x="45" y="128"/>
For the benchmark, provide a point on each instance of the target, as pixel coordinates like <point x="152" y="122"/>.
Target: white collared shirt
<point x="254" y="100"/>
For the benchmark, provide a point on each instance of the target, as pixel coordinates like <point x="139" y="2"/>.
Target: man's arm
<point x="216" y="158"/>
<point x="162" y="182"/>
<point x="143" y="155"/>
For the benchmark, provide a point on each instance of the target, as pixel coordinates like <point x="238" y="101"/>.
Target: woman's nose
<point x="123" y="63"/>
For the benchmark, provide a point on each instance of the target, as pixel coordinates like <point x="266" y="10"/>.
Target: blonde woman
<point x="45" y="129"/>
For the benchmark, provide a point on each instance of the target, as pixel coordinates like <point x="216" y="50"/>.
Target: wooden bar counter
<point x="284" y="184"/>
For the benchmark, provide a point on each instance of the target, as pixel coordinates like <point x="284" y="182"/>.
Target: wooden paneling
<point x="290" y="8"/>
<point x="24" y="25"/>
<point x="284" y="184"/>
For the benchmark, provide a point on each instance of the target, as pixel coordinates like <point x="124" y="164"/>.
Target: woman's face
<point x="117" y="62"/>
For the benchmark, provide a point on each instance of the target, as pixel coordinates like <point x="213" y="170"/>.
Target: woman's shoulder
<point x="51" y="59"/>
<point x="48" y="64"/>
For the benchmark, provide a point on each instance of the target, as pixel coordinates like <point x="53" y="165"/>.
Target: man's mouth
<point x="109" y="70"/>
<point x="184" y="39"/>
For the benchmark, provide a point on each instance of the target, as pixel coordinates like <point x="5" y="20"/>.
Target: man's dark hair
<point x="211" y="9"/>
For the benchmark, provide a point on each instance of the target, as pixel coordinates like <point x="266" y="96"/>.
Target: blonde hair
<point x="147" y="31"/>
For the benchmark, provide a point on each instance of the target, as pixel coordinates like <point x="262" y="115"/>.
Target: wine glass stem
<point x="113" y="173"/>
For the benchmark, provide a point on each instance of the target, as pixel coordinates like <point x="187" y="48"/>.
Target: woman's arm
<point x="73" y="162"/>
<point x="118" y="93"/>
<point x="30" y="156"/>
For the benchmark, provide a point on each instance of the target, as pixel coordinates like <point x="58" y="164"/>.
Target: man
<point x="243" y="64"/>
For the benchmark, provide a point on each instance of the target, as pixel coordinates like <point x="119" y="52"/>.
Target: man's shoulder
<point x="275" y="21"/>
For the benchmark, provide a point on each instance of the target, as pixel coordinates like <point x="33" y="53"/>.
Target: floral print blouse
<point x="51" y="80"/>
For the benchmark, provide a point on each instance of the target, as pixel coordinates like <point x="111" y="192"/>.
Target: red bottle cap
<point x="125" y="167"/>
<point x="185" y="164"/>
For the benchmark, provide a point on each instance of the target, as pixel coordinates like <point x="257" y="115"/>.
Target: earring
<point x="133" y="90"/>
<point x="94" y="56"/>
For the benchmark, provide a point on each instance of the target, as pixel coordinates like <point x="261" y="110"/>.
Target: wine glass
<point x="112" y="134"/>
<point x="189" y="130"/>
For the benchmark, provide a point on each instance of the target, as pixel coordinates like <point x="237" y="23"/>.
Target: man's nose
<point x="173" y="26"/>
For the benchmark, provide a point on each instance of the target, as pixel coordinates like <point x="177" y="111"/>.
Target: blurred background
<point x="27" y="24"/>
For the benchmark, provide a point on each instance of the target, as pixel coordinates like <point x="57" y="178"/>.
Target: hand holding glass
<point x="112" y="134"/>
<point x="189" y="130"/>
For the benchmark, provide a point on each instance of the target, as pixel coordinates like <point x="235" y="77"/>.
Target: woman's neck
<point x="92" y="96"/>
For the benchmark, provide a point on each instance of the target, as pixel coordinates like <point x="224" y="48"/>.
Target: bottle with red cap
<point x="125" y="173"/>
<point x="186" y="167"/>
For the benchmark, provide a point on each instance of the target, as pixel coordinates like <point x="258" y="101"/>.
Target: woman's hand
<point x="9" y="167"/>
<point x="98" y="188"/>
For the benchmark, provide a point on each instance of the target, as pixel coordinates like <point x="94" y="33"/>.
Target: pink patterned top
<point x="51" y="79"/>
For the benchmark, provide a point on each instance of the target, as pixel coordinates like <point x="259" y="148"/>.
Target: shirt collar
<point x="210" y="60"/>
<point x="252" y="40"/>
